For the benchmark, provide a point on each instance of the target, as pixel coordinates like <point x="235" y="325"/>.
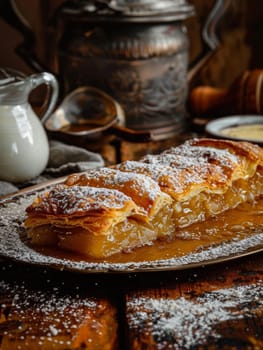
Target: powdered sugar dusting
<point x="179" y="181"/>
<point x="50" y="301"/>
<point x="12" y="214"/>
<point x="67" y="200"/>
<point x="184" y="157"/>
<point x="191" y="166"/>
<point x="188" y="154"/>
<point x="44" y="315"/>
<point x="137" y="186"/>
<point x="195" y="319"/>
<point x="114" y="177"/>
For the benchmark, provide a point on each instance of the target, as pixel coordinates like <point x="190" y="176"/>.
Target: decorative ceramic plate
<point x="238" y="127"/>
<point x="173" y="254"/>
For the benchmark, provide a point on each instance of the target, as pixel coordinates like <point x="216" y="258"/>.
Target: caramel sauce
<point x="237" y="223"/>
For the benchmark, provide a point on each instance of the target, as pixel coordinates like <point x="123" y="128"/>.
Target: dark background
<point x="240" y="32"/>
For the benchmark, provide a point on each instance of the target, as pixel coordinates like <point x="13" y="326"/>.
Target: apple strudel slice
<point x="99" y="213"/>
<point x="111" y="210"/>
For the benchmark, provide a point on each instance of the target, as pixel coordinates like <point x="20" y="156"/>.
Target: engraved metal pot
<point x="136" y="51"/>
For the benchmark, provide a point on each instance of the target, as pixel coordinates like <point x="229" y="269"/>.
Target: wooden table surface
<point x="214" y="307"/>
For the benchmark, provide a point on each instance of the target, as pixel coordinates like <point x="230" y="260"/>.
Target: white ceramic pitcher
<point x="24" y="148"/>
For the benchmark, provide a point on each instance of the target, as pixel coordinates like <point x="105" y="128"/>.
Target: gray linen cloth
<point x="63" y="160"/>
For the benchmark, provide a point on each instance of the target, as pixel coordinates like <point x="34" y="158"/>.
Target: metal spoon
<point x="88" y="112"/>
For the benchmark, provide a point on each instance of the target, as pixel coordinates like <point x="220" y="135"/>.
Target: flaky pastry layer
<point x="107" y="210"/>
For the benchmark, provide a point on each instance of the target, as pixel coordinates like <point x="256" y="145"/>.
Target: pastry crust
<point x="93" y="209"/>
<point x="108" y="210"/>
<point x="144" y="191"/>
<point x="199" y="165"/>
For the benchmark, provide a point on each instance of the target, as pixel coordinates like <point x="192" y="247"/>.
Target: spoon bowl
<point x="89" y="113"/>
<point x="85" y="111"/>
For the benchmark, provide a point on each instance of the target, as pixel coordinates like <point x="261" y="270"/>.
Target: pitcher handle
<point x="52" y="92"/>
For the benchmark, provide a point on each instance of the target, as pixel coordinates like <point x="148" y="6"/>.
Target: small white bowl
<point x="237" y="127"/>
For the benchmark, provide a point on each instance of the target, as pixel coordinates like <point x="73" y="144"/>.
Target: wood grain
<point x="51" y="315"/>
<point x="216" y="308"/>
<point x="213" y="307"/>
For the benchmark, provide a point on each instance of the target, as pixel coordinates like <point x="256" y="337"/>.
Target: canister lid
<point x="130" y="10"/>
